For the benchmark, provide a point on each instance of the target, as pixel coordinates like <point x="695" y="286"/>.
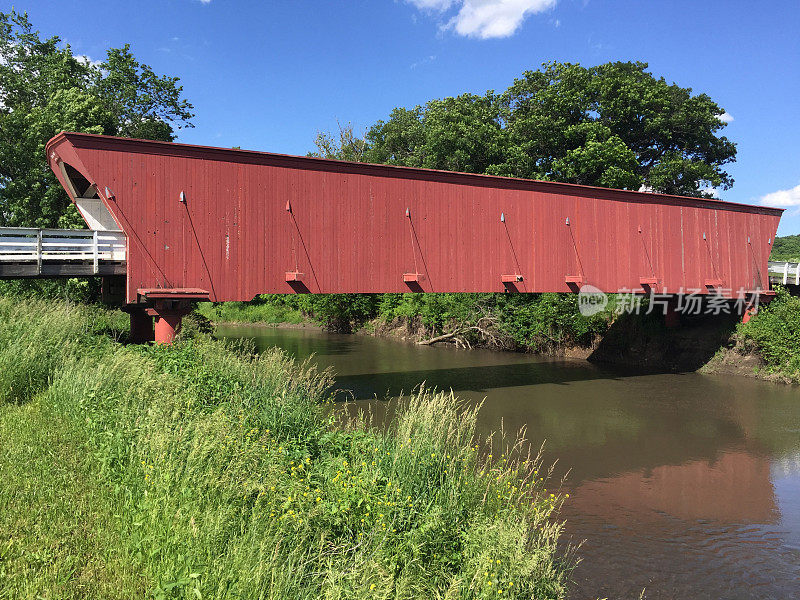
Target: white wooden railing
<point x="786" y="272"/>
<point x="61" y="245"/>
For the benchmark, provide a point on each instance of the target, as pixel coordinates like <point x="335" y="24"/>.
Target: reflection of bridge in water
<point x="734" y="487"/>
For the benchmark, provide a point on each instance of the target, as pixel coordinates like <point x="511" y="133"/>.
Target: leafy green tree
<point x="143" y="105"/>
<point x="786" y="248"/>
<point x="45" y="89"/>
<point x="613" y="125"/>
<point x="454" y="134"/>
<point x="339" y="312"/>
<point x="347" y="146"/>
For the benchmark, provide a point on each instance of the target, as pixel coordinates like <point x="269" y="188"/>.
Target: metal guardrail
<point x="784" y="272"/>
<point x="42" y="246"/>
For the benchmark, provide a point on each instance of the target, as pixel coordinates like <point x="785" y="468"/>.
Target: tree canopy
<point x="613" y="125"/>
<point x="45" y="89"/>
<point x="786" y="248"/>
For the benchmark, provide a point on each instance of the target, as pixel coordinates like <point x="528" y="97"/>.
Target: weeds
<point x="204" y="470"/>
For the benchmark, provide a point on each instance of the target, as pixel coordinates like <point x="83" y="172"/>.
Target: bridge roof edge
<point x="100" y="142"/>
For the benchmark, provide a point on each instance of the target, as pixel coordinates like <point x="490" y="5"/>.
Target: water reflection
<point x="687" y="486"/>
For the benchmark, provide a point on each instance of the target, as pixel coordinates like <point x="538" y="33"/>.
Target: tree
<point x="45" y="89"/>
<point x="786" y="248"/>
<point x="348" y="146"/>
<point x="613" y="125"/>
<point x="454" y="134"/>
<point x="143" y="105"/>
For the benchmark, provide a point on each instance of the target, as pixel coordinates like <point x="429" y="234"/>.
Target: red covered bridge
<point x="221" y="224"/>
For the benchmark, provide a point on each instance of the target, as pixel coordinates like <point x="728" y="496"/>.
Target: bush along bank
<point x="767" y="346"/>
<point x="203" y="470"/>
<point x="543" y="323"/>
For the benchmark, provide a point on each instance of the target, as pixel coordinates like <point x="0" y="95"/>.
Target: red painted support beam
<point x="648" y="284"/>
<point x="167" y="306"/>
<point x="292" y="276"/>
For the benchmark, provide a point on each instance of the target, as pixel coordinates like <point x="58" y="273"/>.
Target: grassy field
<point x="205" y="471"/>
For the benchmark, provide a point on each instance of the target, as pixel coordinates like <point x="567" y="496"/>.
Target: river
<point x="684" y="486"/>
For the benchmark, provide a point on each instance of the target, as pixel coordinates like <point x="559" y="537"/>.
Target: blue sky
<point x="267" y="75"/>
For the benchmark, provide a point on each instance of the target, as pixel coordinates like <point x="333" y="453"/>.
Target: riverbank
<point x="767" y="347"/>
<point x="653" y="461"/>
<point x="205" y="470"/>
<point x="543" y="324"/>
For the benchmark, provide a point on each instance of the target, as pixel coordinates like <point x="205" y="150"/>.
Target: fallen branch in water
<point x="440" y="338"/>
<point x="481" y="326"/>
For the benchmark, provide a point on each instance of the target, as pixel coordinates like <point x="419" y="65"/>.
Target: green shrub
<point x="775" y="331"/>
<point x="537" y="322"/>
<point x="342" y="313"/>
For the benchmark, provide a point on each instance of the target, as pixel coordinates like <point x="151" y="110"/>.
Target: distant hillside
<point x="786" y="248"/>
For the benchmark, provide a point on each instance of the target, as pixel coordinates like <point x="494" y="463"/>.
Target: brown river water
<point x="684" y="486"/>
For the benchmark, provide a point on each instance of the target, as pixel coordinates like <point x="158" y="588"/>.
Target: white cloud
<point x="485" y="19"/>
<point x="440" y="5"/>
<point x="711" y="190"/>
<point x="82" y="58"/>
<point x="782" y="198"/>
<point x="725" y="117"/>
<point x="423" y="61"/>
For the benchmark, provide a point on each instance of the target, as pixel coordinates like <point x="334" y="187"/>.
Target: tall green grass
<point x="204" y="470"/>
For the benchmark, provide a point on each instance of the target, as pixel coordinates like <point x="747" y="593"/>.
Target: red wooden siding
<point x="348" y="231"/>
